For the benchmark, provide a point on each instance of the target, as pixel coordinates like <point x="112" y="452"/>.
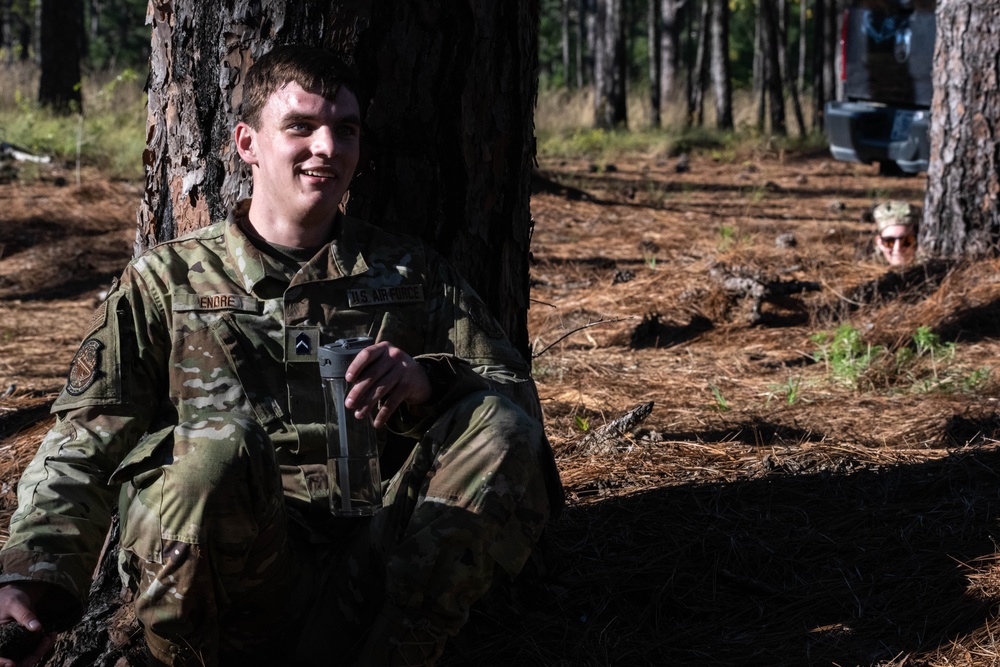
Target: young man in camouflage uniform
<point x="194" y="403"/>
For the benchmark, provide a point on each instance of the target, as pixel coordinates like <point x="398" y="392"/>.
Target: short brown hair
<point x="315" y="69"/>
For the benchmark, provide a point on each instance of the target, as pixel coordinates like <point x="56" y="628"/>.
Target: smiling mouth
<point x="318" y="174"/>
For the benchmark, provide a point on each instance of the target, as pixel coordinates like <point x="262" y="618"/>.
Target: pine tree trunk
<point x="699" y="71"/>
<point x="962" y="214"/>
<point x="819" y="66"/>
<point x="670" y="14"/>
<point x="565" y="44"/>
<point x="722" y="85"/>
<point x="61" y="51"/>
<point x="610" y="66"/>
<point x="653" y="41"/>
<point x="775" y="93"/>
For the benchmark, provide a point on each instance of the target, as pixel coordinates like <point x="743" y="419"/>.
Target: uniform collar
<point x="344" y="256"/>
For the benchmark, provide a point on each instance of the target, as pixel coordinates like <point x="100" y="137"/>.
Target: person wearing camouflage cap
<point x="896" y="225"/>
<point x="193" y="406"/>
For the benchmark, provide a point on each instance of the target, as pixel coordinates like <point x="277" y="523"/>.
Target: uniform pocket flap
<point x="144" y="456"/>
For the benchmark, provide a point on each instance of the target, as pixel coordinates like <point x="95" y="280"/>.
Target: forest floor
<point x="816" y="482"/>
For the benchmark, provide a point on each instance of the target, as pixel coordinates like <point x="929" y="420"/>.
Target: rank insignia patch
<point x="302" y="344"/>
<point x="83" y="368"/>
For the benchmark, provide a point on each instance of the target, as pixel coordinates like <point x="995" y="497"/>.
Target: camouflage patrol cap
<point x="895" y="212"/>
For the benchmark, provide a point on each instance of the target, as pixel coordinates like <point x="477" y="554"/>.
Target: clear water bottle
<point x="352" y="449"/>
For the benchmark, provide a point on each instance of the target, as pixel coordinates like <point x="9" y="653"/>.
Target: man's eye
<point x="299" y="128"/>
<point x="347" y="131"/>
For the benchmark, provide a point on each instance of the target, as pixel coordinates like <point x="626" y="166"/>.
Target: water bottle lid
<point x="335" y="357"/>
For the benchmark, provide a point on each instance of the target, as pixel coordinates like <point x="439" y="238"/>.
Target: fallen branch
<point x="602" y="441"/>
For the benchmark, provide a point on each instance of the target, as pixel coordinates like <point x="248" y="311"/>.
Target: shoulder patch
<point x="83" y="368"/>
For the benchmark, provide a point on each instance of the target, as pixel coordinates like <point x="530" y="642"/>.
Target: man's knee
<point x="204" y="530"/>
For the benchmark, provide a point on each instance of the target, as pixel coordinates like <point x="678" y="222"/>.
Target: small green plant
<point x="650" y="261"/>
<point x="846" y="355"/>
<point x="730" y="237"/>
<point x="790" y="390"/>
<point x="975" y="380"/>
<point x="582" y="423"/>
<point x="721" y="404"/>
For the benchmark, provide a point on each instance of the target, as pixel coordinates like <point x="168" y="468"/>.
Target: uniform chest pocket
<point x="216" y="367"/>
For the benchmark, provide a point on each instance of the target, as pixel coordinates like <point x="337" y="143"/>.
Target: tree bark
<point x="565" y="44"/>
<point x="722" y="85"/>
<point x="699" y="69"/>
<point x="653" y="36"/>
<point x="61" y="43"/>
<point x="803" y="44"/>
<point x="962" y="213"/>
<point x="610" y="66"/>
<point x="786" y="72"/>
<point x="770" y="30"/>
<point x="671" y="16"/>
<point x="819" y="65"/>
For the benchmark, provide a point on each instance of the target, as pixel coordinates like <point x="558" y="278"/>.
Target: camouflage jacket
<point x="208" y="322"/>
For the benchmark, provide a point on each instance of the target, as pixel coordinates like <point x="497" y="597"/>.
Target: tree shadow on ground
<point x="814" y="569"/>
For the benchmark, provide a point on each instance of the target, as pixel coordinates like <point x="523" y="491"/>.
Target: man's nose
<point x="323" y="143"/>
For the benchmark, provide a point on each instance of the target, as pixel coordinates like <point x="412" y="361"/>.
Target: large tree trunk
<point x="722" y="85"/>
<point x="610" y="66"/>
<point x="962" y="213"/>
<point x="62" y="44"/>
<point x="450" y="124"/>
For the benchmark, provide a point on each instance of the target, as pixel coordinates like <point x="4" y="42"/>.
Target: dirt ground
<point x="766" y="511"/>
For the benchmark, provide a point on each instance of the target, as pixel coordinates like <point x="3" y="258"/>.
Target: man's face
<point x="898" y="244"/>
<point x="303" y="153"/>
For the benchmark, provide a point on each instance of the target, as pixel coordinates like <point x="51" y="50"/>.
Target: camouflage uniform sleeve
<point x="466" y="352"/>
<point x="65" y="499"/>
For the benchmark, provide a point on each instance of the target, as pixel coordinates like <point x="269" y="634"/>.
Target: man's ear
<point x="245" y="142"/>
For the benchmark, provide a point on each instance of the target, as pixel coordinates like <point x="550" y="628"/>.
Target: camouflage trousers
<point x="226" y="571"/>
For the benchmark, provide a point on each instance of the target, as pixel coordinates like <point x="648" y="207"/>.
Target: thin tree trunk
<point x="653" y="39"/>
<point x="672" y="19"/>
<point x="610" y="109"/>
<point x="803" y="44"/>
<point x="61" y="51"/>
<point x="722" y="86"/>
<point x="567" y="75"/>
<point x="581" y="40"/>
<point x="830" y="50"/>
<point x="819" y="64"/>
<point x="775" y="93"/>
<point x="962" y="212"/>
<point x="760" y="68"/>
<point x="699" y="72"/>
<point x="592" y="41"/>
<point x="783" y="20"/>
<point x="6" y="31"/>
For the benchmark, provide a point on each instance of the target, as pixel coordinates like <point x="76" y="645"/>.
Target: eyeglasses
<point x="904" y="241"/>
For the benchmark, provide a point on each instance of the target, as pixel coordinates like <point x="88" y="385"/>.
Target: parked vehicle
<point x="887" y="52"/>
